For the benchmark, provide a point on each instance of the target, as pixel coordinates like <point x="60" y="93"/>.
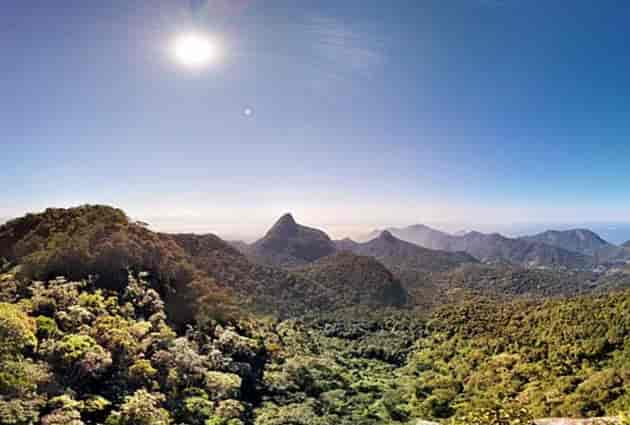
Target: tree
<point x="141" y="408"/>
<point x="17" y="330"/>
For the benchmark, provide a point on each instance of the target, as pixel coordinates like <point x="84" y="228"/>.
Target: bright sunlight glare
<point x="196" y="50"/>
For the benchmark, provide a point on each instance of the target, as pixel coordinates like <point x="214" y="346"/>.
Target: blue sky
<point x="365" y="113"/>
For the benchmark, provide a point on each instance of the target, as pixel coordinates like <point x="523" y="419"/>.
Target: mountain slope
<point x="582" y="241"/>
<point x="412" y="265"/>
<point x="506" y="281"/>
<point x="101" y="241"/>
<point x="356" y="280"/>
<point x="264" y="289"/>
<point x="189" y="271"/>
<point x="396" y="253"/>
<point x="289" y="244"/>
<point x="494" y="247"/>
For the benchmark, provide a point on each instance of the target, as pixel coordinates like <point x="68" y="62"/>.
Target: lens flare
<point x="196" y="50"/>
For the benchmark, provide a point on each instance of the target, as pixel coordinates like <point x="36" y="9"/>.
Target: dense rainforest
<point x="105" y="322"/>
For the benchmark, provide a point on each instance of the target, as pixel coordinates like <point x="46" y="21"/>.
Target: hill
<point x="356" y="280"/>
<point x="192" y="272"/>
<point x="495" y="248"/>
<point x="100" y="241"/>
<point x="289" y="244"/>
<point x="413" y="265"/>
<point x="264" y="289"/>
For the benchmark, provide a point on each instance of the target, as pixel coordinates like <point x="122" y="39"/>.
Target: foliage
<point x="17" y="330"/>
<point x="496" y="415"/>
<point x="558" y="358"/>
<point x="101" y="241"/>
<point x="141" y="408"/>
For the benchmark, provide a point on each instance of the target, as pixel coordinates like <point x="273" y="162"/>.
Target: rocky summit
<point x="289" y="244"/>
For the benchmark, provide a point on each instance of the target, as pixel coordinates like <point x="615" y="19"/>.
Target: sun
<point x="196" y="50"/>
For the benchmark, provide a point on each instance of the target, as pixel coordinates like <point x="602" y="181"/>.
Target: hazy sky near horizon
<point x="366" y="113"/>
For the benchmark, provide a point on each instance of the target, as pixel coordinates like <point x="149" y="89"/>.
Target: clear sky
<point x="365" y="113"/>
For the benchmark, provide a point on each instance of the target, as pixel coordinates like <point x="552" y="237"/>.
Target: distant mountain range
<point x="583" y="241"/>
<point x="396" y="254"/>
<point x="494" y="248"/>
<point x="289" y="245"/>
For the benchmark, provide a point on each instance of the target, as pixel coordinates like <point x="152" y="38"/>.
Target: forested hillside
<point x="75" y="354"/>
<point x="104" y="322"/>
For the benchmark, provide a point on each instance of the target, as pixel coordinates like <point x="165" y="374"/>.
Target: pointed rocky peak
<point x="289" y="244"/>
<point x="285" y="226"/>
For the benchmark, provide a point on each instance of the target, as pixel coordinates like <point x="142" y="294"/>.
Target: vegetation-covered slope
<point x="101" y="241"/>
<point x="76" y="354"/>
<point x="557" y="358"/>
<point x="263" y="288"/>
<point x="192" y="272"/>
<point x="583" y="241"/>
<point x="356" y="280"/>
<point x="172" y="345"/>
<point x="509" y="281"/>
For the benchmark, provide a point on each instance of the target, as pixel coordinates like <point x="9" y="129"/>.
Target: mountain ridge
<point x="187" y="269"/>
<point x="493" y="247"/>
<point x="583" y="241"/>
